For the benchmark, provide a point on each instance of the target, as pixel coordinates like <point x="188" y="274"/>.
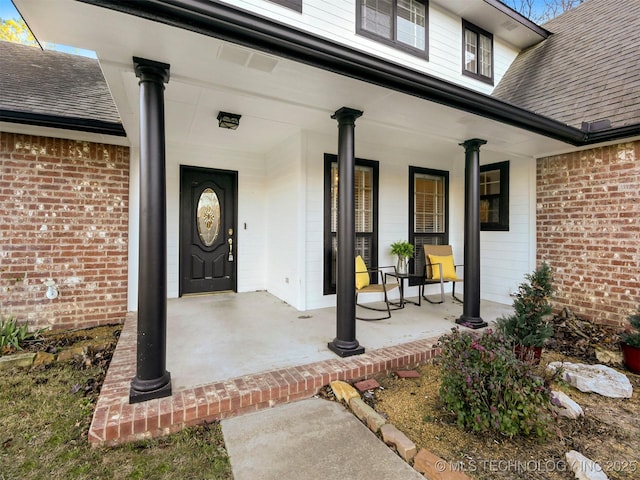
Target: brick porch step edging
<point x="115" y="421"/>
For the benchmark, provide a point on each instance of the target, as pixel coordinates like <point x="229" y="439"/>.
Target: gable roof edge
<point x="518" y="17"/>
<point x="65" y="123"/>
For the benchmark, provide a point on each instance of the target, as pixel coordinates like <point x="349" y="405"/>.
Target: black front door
<point x="208" y="250"/>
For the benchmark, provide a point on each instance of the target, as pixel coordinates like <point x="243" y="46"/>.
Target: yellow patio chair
<point x="439" y="268"/>
<point x="364" y="285"/>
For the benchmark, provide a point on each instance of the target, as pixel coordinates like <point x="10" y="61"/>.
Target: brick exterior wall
<point x="588" y="230"/>
<point x="65" y="207"/>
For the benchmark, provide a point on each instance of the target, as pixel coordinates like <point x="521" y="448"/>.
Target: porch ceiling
<point x="276" y="97"/>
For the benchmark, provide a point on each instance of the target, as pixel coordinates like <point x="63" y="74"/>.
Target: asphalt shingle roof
<point x="53" y="83"/>
<point x="587" y="70"/>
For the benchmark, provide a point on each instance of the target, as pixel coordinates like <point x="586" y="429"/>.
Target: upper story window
<point x="494" y="196"/>
<point x="477" y="52"/>
<point x="401" y="23"/>
<point x="292" y="4"/>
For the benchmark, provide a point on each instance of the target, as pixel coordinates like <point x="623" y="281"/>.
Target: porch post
<point x="345" y="343"/>
<point x="152" y="380"/>
<point x="471" y="307"/>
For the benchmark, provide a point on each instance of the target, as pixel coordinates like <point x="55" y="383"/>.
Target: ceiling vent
<point x="510" y="25"/>
<point x="247" y="58"/>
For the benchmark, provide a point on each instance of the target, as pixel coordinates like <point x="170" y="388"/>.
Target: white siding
<point x="134" y="223"/>
<point x="393" y="202"/>
<point x="507" y="256"/>
<point x="285" y="222"/>
<point x="336" y="20"/>
<point x="281" y="203"/>
<point x="251" y="246"/>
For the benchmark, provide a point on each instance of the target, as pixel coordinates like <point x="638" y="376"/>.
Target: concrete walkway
<point x="309" y="439"/>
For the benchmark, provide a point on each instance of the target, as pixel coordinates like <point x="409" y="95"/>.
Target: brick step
<point x="115" y="421"/>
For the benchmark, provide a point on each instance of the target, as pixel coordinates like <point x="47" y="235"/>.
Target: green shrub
<point x="13" y="335"/>
<point x="489" y="389"/>
<point x="631" y="336"/>
<point x="529" y="324"/>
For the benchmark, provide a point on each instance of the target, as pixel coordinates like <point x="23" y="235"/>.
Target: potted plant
<point x="529" y="326"/>
<point x="404" y="251"/>
<point x="630" y="339"/>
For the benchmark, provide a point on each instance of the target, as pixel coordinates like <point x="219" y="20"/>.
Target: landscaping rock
<point x="594" y="378"/>
<point x="365" y="385"/>
<point x="564" y="406"/>
<point x="343" y="391"/>
<point x="43" y="358"/>
<point x="394" y="437"/>
<point x="435" y="468"/>
<point x="68" y="354"/>
<point x="584" y="468"/>
<point x="609" y="357"/>
<point x="16" y="361"/>
<point x="368" y="415"/>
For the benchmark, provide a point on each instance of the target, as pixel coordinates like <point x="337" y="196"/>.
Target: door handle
<point x="230" y="242"/>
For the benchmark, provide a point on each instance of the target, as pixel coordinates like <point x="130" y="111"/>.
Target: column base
<point x="345" y="349"/>
<point x="471" y="322"/>
<point x="143" y="390"/>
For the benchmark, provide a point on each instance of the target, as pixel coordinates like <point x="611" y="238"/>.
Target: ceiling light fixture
<point x="228" y="120"/>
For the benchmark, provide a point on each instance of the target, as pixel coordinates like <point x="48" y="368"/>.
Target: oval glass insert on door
<point x="208" y="217"/>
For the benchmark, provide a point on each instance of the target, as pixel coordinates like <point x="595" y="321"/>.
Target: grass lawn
<point x="44" y="420"/>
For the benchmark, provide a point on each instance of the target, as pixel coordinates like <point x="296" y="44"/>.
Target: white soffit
<point x="490" y="18"/>
<point x="275" y="96"/>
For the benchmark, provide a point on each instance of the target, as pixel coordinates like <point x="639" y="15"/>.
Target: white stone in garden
<point x="583" y="468"/>
<point x="564" y="406"/>
<point x="594" y="378"/>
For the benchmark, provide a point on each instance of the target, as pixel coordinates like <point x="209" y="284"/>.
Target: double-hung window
<point x="400" y="23"/>
<point x="429" y="211"/>
<point x="477" y="52"/>
<point x="366" y="215"/>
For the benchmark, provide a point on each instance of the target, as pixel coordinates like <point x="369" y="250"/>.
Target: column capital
<point x="346" y="115"/>
<point x="150" y="70"/>
<point x="473" y="143"/>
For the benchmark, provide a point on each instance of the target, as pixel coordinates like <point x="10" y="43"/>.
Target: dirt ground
<point x="609" y="433"/>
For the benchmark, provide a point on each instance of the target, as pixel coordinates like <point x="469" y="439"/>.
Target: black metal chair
<point x="364" y="285"/>
<point x="439" y="268"/>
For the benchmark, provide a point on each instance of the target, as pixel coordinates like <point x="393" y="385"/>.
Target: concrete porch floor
<point x="233" y="353"/>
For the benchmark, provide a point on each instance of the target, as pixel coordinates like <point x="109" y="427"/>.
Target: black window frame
<point x="440" y="238"/>
<point x="503" y="198"/>
<point x="478" y="31"/>
<point x="292" y="4"/>
<point x="329" y="288"/>
<point x="394" y="42"/>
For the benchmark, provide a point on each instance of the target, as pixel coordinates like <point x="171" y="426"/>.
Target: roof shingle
<point x="587" y="70"/>
<point x="53" y="83"/>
